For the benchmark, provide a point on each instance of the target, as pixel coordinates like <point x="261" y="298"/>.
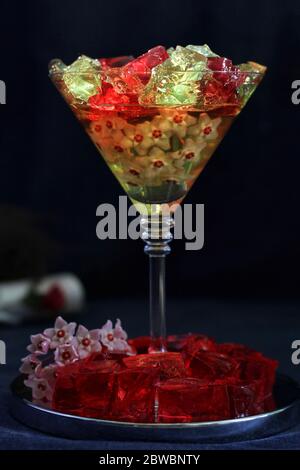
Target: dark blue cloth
<point x="268" y="327"/>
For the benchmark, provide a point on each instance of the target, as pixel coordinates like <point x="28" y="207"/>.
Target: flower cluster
<point x="62" y="345"/>
<point x="164" y="148"/>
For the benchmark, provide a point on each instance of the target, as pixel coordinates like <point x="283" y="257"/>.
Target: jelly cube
<point x="187" y="400"/>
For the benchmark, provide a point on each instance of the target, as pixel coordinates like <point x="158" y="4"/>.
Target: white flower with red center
<point x="152" y="170"/>
<point x="205" y="128"/>
<point x="106" y="135"/>
<point x="29" y="364"/>
<point x="140" y="138"/>
<point x="87" y="341"/>
<point x="104" y="127"/>
<point x="66" y="354"/>
<point x="178" y="121"/>
<point x="162" y="167"/>
<point x="62" y="333"/>
<point x="190" y="153"/>
<point x="114" y="338"/>
<point x="40" y="344"/>
<point x="41" y="389"/>
<point x="209" y="127"/>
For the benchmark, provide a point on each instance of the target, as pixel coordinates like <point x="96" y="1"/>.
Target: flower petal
<point x="107" y="326"/>
<point x="95" y="334"/>
<point x="119" y="332"/>
<point x="71" y="328"/>
<point x="30" y="348"/>
<point x="49" y="332"/>
<point x="60" y="323"/>
<point x="82" y="332"/>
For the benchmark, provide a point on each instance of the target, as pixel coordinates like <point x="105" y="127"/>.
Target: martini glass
<point x="157" y="153"/>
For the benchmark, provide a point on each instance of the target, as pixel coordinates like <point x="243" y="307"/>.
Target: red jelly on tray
<point x="200" y="381"/>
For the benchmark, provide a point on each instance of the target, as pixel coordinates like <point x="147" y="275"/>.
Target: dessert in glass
<point x="156" y="120"/>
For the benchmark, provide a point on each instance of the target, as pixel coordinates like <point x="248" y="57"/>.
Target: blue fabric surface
<point x="265" y="326"/>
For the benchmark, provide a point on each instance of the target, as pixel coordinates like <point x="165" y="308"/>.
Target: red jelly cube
<point x="95" y="382"/>
<point x="152" y="58"/>
<point x="212" y="366"/>
<point x="220" y="89"/>
<point x="108" y="99"/>
<point x="187" y="400"/>
<point x="66" y="396"/>
<point x="222" y="67"/>
<point x="217" y="94"/>
<point x="138" y="71"/>
<point x="134" y="395"/>
<point x="144" y="63"/>
<point x="167" y="365"/>
<point x="225" y="72"/>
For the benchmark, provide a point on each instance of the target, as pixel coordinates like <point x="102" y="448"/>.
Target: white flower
<point x="40" y="344"/>
<point x="41" y="389"/>
<point x="190" y="155"/>
<point x="178" y="121"/>
<point x="65" y="354"/>
<point x="87" y="341"/>
<point x="62" y="332"/>
<point x="114" y="338"/>
<point x="206" y="128"/>
<point x="143" y="136"/>
<point x="29" y="364"/>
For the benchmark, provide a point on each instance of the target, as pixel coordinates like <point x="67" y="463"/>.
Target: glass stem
<point x="157" y="236"/>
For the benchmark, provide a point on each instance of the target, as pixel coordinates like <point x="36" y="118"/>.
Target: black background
<point x="52" y="179"/>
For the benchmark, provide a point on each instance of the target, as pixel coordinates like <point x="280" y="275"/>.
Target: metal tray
<point x="286" y="415"/>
